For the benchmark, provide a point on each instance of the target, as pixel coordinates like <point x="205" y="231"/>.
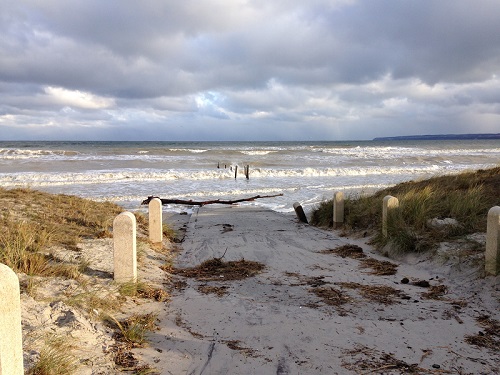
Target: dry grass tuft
<point x="346" y="251"/>
<point x="56" y="358"/>
<point x="133" y="330"/>
<point x="142" y="290"/>
<point x="379" y="267"/>
<point x="217" y="269"/>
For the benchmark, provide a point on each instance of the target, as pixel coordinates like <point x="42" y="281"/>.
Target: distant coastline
<point x="439" y="137"/>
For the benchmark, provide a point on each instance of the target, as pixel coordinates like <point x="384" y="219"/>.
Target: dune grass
<point x="37" y="232"/>
<point x="465" y="197"/>
<point x="32" y="221"/>
<point x="56" y="357"/>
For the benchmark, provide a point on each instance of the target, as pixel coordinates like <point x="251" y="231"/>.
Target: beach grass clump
<point x="94" y="300"/>
<point x="464" y="198"/>
<point x="134" y="329"/>
<point x="143" y="290"/>
<point x="31" y="222"/>
<point x="56" y="358"/>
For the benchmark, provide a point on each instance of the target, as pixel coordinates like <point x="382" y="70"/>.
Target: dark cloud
<point x="345" y="68"/>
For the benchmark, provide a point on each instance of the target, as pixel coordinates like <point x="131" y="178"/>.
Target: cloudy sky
<point x="247" y="70"/>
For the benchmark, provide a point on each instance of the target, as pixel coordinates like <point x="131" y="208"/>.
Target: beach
<point x="307" y="300"/>
<point x="309" y="310"/>
<point x="313" y="312"/>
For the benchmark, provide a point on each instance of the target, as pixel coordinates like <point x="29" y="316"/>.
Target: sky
<point x="247" y="69"/>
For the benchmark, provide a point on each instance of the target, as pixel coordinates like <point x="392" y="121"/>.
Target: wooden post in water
<point x="492" y="254"/>
<point x="247" y="172"/>
<point x="235" y="172"/>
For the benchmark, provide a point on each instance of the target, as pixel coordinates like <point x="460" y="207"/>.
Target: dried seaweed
<point x="331" y="296"/>
<point x="365" y="360"/>
<point x="379" y="267"/>
<point x="217" y="269"/>
<point x="211" y="289"/>
<point x="346" y="251"/>
<point x="157" y="294"/>
<point x="435" y="292"/>
<point x="235" y="345"/>
<point x="313" y="281"/>
<point x="490" y="338"/>
<point x="377" y="293"/>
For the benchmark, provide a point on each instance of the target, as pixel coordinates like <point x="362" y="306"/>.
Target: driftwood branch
<point x="203" y="203"/>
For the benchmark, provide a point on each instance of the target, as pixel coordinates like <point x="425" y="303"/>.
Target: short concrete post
<point x="389" y="203"/>
<point x="492" y="255"/>
<point x="155" y="221"/>
<point x="124" y="248"/>
<point x="300" y="212"/>
<point x="11" y="343"/>
<point x="338" y="209"/>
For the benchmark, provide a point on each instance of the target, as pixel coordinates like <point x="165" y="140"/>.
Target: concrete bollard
<point x="389" y="203"/>
<point x="492" y="254"/>
<point x="155" y="221"/>
<point x="124" y="248"/>
<point x="11" y="343"/>
<point x="300" y="212"/>
<point x="338" y="209"/>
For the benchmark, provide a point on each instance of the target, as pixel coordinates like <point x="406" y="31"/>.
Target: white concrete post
<point x="338" y="209"/>
<point x="389" y="203"/>
<point x="11" y="343"/>
<point x="155" y="221"/>
<point x="299" y="211"/>
<point x="492" y="255"/>
<point x="124" y="248"/>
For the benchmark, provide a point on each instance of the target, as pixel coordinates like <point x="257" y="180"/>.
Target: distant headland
<point x="440" y="137"/>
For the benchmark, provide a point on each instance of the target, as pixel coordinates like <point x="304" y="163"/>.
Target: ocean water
<point x="305" y="172"/>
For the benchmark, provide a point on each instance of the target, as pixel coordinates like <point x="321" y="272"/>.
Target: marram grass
<point x="465" y="197"/>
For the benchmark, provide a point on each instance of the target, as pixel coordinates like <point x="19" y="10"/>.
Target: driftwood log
<point x="203" y="203"/>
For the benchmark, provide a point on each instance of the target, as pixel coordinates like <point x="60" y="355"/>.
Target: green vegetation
<point x="465" y="197"/>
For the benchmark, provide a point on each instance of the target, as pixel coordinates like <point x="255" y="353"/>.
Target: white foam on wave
<point x="258" y="152"/>
<point x="191" y="150"/>
<point x="144" y="175"/>
<point x="18" y="154"/>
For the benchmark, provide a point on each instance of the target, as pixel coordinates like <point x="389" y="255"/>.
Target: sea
<point x="126" y="173"/>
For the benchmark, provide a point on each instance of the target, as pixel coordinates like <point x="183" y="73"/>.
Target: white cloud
<point x="77" y="98"/>
<point x="354" y="69"/>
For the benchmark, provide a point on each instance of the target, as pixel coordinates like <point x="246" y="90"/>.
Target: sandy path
<point x="273" y="324"/>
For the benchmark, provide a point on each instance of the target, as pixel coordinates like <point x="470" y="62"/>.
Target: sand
<point x="310" y="311"/>
<point x="278" y="323"/>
